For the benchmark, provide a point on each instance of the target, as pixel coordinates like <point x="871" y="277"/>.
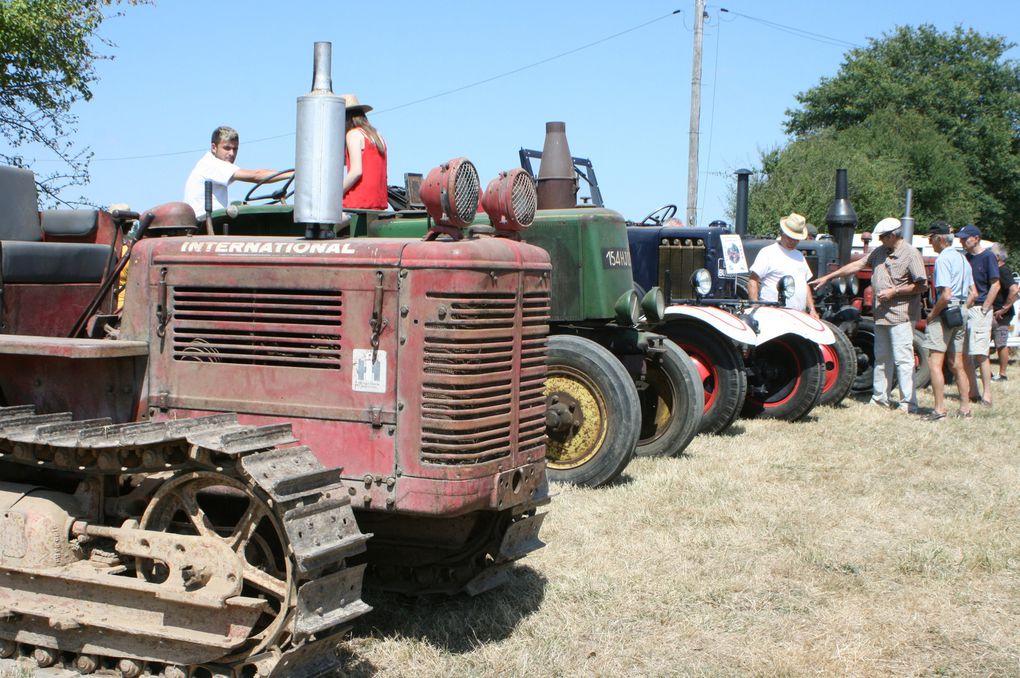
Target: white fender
<point x="723" y="321"/>
<point x="774" y="321"/>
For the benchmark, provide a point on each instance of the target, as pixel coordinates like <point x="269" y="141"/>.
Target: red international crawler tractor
<point x="198" y="486"/>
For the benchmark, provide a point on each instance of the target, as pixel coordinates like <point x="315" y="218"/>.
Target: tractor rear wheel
<point x="922" y="373"/>
<point x="720" y="370"/>
<point x="671" y="403"/>
<point x="840" y="361"/>
<point x="863" y="339"/>
<point x="786" y="379"/>
<point x="593" y="413"/>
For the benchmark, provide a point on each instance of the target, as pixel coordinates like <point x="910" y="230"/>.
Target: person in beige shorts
<point x="979" y="318"/>
<point x="954" y="284"/>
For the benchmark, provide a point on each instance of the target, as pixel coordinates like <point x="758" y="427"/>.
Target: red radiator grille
<point x="485" y="351"/>
<point x="288" y="328"/>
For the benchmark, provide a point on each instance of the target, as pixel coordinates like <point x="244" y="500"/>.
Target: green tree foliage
<point x="958" y="82"/>
<point x="48" y="53"/>
<point x="800" y="177"/>
<point x="884" y="155"/>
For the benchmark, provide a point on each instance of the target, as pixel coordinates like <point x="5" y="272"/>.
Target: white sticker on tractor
<point x="369" y="376"/>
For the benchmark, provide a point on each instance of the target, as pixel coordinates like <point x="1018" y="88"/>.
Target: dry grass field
<point x="861" y="542"/>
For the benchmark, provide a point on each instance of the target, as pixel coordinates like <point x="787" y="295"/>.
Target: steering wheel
<point x="278" y="196"/>
<point x="660" y="215"/>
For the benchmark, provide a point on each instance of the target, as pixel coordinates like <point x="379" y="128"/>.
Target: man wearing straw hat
<point x="897" y="282"/>
<point x="782" y="259"/>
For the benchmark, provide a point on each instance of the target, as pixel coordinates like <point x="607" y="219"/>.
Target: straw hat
<point x="353" y="106"/>
<point x="794" y="226"/>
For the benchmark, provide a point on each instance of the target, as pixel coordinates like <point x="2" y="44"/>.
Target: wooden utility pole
<point x="692" y="146"/>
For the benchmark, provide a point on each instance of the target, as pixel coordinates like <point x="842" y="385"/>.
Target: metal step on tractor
<point x="613" y="390"/>
<point x="203" y="461"/>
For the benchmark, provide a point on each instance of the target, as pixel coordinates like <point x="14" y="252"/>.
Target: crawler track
<point x="198" y="547"/>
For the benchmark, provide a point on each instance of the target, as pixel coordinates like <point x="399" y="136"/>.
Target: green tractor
<point x="612" y="390"/>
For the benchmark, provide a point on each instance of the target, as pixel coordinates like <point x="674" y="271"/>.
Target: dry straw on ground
<point x="860" y="542"/>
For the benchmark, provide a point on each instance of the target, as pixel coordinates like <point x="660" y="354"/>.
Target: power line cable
<point x="793" y="30"/>
<point x="433" y="96"/>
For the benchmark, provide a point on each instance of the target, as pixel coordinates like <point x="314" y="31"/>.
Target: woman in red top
<point x="364" y="159"/>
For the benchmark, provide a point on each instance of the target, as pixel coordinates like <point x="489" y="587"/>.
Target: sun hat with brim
<point x="887" y="225"/>
<point x="968" y="231"/>
<point x="352" y="105"/>
<point x="939" y="228"/>
<point x="794" y="226"/>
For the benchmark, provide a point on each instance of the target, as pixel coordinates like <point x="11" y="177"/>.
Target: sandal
<point x="935" y="416"/>
<point x="965" y="415"/>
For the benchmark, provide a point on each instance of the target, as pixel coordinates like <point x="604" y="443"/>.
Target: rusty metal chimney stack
<point x="557" y="182"/>
<point x="842" y="219"/>
<point x="740" y="223"/>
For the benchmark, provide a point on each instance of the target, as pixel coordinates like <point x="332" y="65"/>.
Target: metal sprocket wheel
<point x="210" y="504"/>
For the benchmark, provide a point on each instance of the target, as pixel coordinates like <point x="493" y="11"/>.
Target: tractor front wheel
<point x="720" y="370"/>
<point x="840" y="361"/>
<point x="593" y="414"/>
<point x="671" y="403"/>
<point x="785" y="381"/>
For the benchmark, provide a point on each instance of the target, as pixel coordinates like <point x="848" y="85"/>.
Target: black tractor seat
<point x="25" y="257"/>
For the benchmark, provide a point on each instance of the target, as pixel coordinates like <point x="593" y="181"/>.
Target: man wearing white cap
<point x="781" y="259"/>
<point x="897" y="282"/>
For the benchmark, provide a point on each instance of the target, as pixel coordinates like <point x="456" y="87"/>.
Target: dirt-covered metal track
<point x="196" y="547"/>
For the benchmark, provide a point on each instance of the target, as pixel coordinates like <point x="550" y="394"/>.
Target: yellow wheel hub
<point x="582" y="443"/>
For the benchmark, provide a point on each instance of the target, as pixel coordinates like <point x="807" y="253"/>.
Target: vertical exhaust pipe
<point x="557" y="182"/>
<point x="907" y="222"/>
<point x="319" y="153"/>
<point x="842" y="219"/>
<point x="740" y="223"/>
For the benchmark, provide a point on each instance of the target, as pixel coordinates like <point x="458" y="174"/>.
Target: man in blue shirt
<point x="979" y="317"/>
<point x="954" y="285"/>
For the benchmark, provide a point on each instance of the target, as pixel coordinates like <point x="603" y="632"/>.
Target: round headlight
<point x="853" y="285"/>
<point x="628" y="308"/>
<point x="841" y="285"/>
<point x="701" y="281"/>
<point x="654" y="304"/>
<point x="510" y="201"/>
<point x="451" y="193"/>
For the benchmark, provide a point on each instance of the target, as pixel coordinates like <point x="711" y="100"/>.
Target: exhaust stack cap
<point x="841" y="218"/>
<point x="557" y="181"/>
<point x="319" y="151"/>
<point x="740" y="222"/>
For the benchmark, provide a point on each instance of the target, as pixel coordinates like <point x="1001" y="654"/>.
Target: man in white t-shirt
<point x="782" y="259"/>
<point x="217" y="165"/>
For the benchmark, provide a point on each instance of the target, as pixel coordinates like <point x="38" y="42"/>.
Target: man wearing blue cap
<point x="979" y="316"/>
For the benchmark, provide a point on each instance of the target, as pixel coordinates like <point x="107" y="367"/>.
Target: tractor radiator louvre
<point x="283" y="328"/>
<point x="678" y="259"/>
<point x="485" y="352"/>
<point x="536" y="309"/>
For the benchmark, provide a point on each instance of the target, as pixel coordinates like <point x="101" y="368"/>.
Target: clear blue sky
<point x="182" y="67"/>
